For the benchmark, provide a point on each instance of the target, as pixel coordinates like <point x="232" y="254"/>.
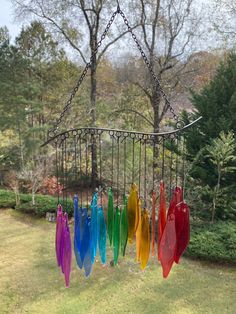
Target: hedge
<point x="213" y="242"/>
<point x="43" y="203"/>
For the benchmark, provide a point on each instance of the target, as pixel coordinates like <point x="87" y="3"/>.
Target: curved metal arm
<point x="119" y="133"/>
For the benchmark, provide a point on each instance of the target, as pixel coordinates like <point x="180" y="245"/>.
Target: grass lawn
<point x="30" y="281"/>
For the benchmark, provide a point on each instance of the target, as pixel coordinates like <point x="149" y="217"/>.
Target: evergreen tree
<point x="216" y="103"/>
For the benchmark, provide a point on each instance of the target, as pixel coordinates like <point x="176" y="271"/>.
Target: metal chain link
<point x="149" y="66"/>
<point x="52" y="132"/>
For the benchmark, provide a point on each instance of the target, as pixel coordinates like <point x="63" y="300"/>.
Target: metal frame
<point x="117" y="133"/>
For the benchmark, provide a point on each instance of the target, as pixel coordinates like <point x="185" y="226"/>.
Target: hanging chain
<point x="150" y="68"/>
<point x="52" y="132"/>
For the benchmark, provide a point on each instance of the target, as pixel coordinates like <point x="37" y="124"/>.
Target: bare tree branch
<point x="145" y="90"/>
<point x="143" y="24"/>
<point x="43" y="15"/>
<point x="114" y="41"/>
<point x="136" y="112"/>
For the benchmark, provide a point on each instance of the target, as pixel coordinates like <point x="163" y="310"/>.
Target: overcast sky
<point x="7" y="19"/>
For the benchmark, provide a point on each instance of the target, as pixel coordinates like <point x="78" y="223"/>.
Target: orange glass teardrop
<point x="145" y="239"/>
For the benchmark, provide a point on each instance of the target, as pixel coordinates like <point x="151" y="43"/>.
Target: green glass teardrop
<point x="110" y="215"/>
<point x="124" y="227"/>
<point x="116" y="235"/>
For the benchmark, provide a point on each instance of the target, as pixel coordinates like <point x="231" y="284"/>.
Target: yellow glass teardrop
<point x="145" y="239"/>
<point x="138" y="231"/>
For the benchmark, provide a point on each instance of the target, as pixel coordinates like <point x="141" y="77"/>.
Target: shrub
<point x="43" y="203"/>
<point x="51" y="186"/>
<point x="7" y="199"/>
<point x="213" y="242"/>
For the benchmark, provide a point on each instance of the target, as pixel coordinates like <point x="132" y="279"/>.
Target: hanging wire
<point x="80" y="171"/>
<point x="153" y="165"/>
<point x="63" y="175"/>
<point x="163" y="159"/>
<point x="112" y="161"/>
<point x="139" y="171"/>
<point x="171" y="165"/>
<point x="118" y="6"/>
<point x="125" y="166"/>
<point x="75" y="148"/>
<point x="94" y="174"/>
<point x="86" y="169"/>
<point x="133" y="161"/>
<point x="118" y="168"/>
<point x="177" y="162"/>
<point x="66" y="175"/>
<point x="145" y="173"/>
<point x="100" y="166"/>
<point x="183" y="166"/>
<point x="57" y="174"/>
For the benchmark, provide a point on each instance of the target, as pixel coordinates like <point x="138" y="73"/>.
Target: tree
<point x="221" y="153"/>
<point x="216" y="103"/>
<point x="12" y="181"/>
<point x="35" y="74"/>
<point x="167" y="36"/>
<point x="62" y="17"/>
<point x="13" y="97"/>
<point x="34" y="174"/>
<point x="223" y="17"/>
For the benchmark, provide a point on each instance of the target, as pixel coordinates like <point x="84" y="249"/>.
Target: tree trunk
<point x="33" y="198"/>
<point x="17" y="197"/>
<point x="21" y="147"/>
<point x="217" y="189"/>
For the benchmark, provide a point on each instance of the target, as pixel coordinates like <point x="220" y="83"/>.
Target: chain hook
<point x="118" y="6"/>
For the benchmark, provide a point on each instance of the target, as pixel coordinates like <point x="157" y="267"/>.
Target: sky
<point x="7" y="18"/>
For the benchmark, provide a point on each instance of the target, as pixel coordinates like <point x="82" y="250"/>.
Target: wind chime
<point x="138" y="196"/>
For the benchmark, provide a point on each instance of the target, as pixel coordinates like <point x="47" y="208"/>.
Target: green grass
<point x="30" y="281"/>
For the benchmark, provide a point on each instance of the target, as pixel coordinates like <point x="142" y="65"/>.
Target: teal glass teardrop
<point x="94" y="226"/>
<point x="102" y="235"/>
<point x="110" y="215"/>
<point x="87" y="262"/>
